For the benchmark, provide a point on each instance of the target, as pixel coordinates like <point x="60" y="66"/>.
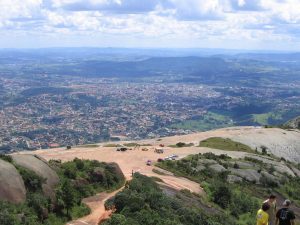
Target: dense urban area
<point x="44" y="104"/>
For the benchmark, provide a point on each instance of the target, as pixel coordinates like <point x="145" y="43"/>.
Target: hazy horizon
<point x="172" y="49"/>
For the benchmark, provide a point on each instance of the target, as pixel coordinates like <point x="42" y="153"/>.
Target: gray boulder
<point x="245" y="164"/>
<point x="217" y="168"/>
<point x="41" y="168"/>
<point x="207" y="161"/>
<point x="248" y="174"/>
<point x="270" y="177"/>
<point x="296" y="171"/>
<point x="200" y="168"/>
<point x="282" y="168"/>
<point x="234" y="179"/>
<point x="12" y="188"/>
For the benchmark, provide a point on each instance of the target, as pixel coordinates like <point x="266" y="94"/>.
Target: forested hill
<point x="204" y="68"/>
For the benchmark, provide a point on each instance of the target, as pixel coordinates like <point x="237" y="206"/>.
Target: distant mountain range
<point x="207" y="66"/>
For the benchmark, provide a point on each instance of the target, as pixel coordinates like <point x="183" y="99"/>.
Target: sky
<point x="229" y="24"/>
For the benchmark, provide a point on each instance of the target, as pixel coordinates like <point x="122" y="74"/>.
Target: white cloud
<point x="113" y="6"/>
<point x="198" y="10"/>
<point x="17" y="8"/>
<point x="155" y="21"/>
<point x="247" y="5"/>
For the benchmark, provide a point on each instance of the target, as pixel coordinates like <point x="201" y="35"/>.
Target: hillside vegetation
<point x="78" y="179"/>
<point x="237" y="186"/>
<point x="143" y="202"/>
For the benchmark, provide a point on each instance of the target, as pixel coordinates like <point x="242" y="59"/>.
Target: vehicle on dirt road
<point x="174" y="156"/>
<point x="159" y="150"/>
<point x="149" y="163"/>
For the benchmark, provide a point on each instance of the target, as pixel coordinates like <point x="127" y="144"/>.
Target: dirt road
<point x="98" y="212"/>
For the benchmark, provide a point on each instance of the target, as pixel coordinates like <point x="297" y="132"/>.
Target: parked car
<point x="149" y="163"/>
<point x="122" y="149"/>
<point x="159" y="150"/>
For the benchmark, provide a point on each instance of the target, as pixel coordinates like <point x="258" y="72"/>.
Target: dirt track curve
<point x="98" y="212"/>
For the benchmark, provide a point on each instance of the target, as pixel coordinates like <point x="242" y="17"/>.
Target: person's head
<point x="287" y="203"/>
<point x="265" y="207"/>
<point x="272" y="198"/>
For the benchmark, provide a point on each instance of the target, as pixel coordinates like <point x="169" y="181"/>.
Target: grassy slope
<point x="225" y="144"/>
<point x="207" y="122"/>
<point x="263" y="119"/>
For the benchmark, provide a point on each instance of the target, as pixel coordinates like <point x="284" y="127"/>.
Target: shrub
<point x="40" y="205"/>
<point x="32" y="181"/>
<point x="79" y="163"/>
<point x="236" y="166"/>
<point x="7" y="158"/>
<point x="180" y="144"/>
<point x="264" y="150"/>
<point x="222" y="195"/>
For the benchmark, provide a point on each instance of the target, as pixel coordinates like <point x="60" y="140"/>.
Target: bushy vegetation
<point x="143" y="202"/>
<point x="235" y="200"/>
<point x="37" y="207"/>
<point x="238" y="200"/>
<point x="133" y="144"/>
<point x="112" y="145"/>
<point x="88" y="146"/>
<point x="32" y="181"/>
<point x="89" y="177"/>
<point x="6" y="158"/>
<point x="225" y="144"/>
<point x="78" y="179"/>
<point x="181" y="145"/>
<point x="291" y="189"/>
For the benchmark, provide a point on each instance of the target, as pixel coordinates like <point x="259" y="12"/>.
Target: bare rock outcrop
<point x="279" y="142"/>
<point x="12" y="188"/>
<point x="248" y="174"/>
<point x="42" y="169"/>
<point x="217" y="168"/>
<point x="294" y="123"/>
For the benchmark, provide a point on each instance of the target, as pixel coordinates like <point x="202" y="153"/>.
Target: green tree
<point x="222" y="196"/>
<point x="39" y="204"/>
<point x="66" y="196"/>
<point x="79" y="163"/>
<point x="32" y="181"/>
<point x="7" y="218"/>
<point x="117" y="219"/>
